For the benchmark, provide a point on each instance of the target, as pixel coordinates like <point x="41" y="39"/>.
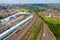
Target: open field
<point x="23" y="10"/>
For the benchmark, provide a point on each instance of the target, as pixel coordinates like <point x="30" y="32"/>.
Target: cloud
<point x="10" y="1"/>
<point x="30" y="1"/>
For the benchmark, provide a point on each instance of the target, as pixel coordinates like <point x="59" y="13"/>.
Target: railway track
<point x="13" y="29"/>
<point x="21" y="33"/>
<point x="31" y="26"/>
<point x="36" y="23"/>
<point x="46" y="34"/>
<point x="12" y="24"/>
<point x="15" y="35"/>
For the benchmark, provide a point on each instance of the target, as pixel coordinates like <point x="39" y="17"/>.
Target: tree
<point x="1" y="17"/>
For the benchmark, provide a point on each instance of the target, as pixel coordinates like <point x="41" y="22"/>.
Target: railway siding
<point x="46" y="34"/>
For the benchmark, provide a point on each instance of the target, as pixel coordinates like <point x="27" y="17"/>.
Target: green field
<point x="54" y="25"/>
<point x="23" y="10"/>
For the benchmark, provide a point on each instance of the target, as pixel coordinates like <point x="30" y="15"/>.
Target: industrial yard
<point x="29" y="22"/>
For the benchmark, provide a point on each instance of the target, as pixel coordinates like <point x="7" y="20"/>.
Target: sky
<point x="29" y="1"/>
